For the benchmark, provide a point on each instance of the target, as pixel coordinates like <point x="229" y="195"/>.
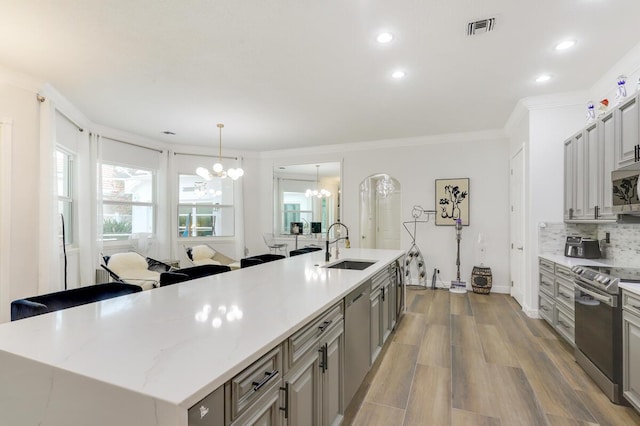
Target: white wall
<point x="21" y="106"/>
<point x="416" y="163"/>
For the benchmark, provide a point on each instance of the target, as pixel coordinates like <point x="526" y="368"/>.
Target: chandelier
<point x="218" y="169"/>
<point x="385" y="186"/>
<point x="319" y="193"/>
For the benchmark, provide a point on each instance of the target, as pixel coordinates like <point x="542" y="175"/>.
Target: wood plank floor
<point x="478" y="360"/>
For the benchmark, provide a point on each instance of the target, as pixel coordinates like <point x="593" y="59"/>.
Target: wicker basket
<point x="481" y="280"/>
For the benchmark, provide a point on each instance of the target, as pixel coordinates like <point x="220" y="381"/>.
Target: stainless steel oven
<point x="598" y="325"/>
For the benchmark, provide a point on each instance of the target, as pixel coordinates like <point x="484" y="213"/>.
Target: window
<point x="64" y="177"/>
<point x="128" y="202"/>
<point x="205" y="208"/>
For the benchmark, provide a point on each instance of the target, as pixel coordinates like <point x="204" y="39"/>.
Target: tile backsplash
<point x="623" y="249"/>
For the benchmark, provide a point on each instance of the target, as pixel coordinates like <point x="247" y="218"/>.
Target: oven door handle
<point x="608" y="300"/>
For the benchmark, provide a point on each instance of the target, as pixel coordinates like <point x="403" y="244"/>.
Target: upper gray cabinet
<point x="627" y="131"/>
<point x="591" y="155"/>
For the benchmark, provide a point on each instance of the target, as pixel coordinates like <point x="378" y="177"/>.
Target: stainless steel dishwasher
<point x="356" y="330"/>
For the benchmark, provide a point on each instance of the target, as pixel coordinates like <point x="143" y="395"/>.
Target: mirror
<point x="380" y="212"/>
<point x="306" y="198"/>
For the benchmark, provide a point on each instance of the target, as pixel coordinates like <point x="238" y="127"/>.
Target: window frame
<point x="70" y="199"/>
<point x="194" y="205"/>
<point x="153" y="204"/>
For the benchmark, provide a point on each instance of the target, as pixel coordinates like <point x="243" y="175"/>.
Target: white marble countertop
<point x="179" y="343"/>
<point x="631" y="287"/>
<point x="573" y="261"/>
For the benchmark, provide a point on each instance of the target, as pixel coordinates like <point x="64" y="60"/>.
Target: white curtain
<point x="49" y="275"/>
<point x="239" y="213"/>
<point x="97" y="234"/>
<point x="86" y="182"/>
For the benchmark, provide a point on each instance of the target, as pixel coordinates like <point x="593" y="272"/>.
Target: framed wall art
<point x="452" y="201"/>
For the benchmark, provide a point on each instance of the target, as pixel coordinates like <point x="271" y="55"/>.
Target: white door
<point x="517" y="191"/>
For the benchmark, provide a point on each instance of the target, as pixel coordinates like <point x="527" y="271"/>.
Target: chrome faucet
<point x="347" y="244"/>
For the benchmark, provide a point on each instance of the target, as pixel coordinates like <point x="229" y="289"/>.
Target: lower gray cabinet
<point x="313" y="386"/>
<point x="555" y="298"/>
<point x="265" y="411"/>
<point x="301" y="390"/>
<point x="383" y="309"/>
<point x="375" y="338"/>
<point x="631" y="348"/>
<point x="247" y="388"/>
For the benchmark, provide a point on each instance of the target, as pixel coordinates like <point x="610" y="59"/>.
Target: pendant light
<point x="218" y="169"/>
<point x="320" y="193"/>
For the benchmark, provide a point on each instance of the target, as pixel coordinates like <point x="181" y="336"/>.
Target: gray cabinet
<point x="375" y="338"/>
<point x="631" y="347"/>
<point x="627" y="116"/>
<point x="313" y="386"/>
<point x="264" y="412"/>
<point x="606" y="164"/>
<point x="382" y="310"/>
<point x="556" y="298"/>
<point x="589" y="158"/>
<point x="569" y="181"/>
<point x="253" y="393"/>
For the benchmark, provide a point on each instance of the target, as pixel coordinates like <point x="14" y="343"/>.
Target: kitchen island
<point x="146" y="358"/>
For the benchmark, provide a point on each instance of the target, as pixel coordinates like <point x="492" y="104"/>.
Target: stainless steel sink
<point x="358" y="265"/>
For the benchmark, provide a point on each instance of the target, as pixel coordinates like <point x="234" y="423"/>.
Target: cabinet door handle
<point x="267" y="376"/>
<point x="571" y="213"/>
<point x="636" y="307"/>
<point x="596" y="212"/>
<point x="564" y="324"/>
<point x="324" y="325"/>
<point x="561" y="294"/>
<point x="544" y="308"/>
<point x="323" y="365"/>
<point x="383" y="294"/>
<point x="326" y="357"/>
<point x="286" y="400"/>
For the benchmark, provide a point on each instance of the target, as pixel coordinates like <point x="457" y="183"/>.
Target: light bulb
<point x="202" y="172"/>
<point x="217" y="167"/>
<point x="232" y="174"/>
<point x="240" y="172"/>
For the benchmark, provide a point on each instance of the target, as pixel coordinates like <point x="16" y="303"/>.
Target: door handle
<point x="520" y="248"/>
<point x="286" y="400"/>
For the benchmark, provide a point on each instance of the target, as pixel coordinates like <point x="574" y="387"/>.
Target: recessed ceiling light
<point x="398" y="74"/>
<point x="542" y="78"/>
<point x="384" y="38"/>
<point x="564" y="45"/>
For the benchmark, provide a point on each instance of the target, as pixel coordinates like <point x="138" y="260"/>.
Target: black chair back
<point x="260" y="258"/>
<point x="186" y="274"/>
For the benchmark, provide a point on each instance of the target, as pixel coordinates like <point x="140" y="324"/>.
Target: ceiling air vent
<point x="481" y="26"/>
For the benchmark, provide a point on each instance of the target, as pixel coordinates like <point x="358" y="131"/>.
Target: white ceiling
<point x="283" y="74"/>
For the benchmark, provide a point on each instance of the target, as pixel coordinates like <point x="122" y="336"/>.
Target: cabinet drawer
<point x="546" y="284"/>
<point x="379" y="279"/>
<point x="308" y="337"/>
<point x="546" y="265"/>
<point x="631" y="302"/>
<point x="547" y="306"/>
<point x="565" y="294"/>
<point x="565" y="324"/>
<point x="254" y="381"/>
<point x="563" y="272"/>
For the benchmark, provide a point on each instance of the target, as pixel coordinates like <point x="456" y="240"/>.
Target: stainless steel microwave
<point x="626" y="199"/>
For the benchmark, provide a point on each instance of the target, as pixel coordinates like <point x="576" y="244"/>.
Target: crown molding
<point x="483" y="135"/>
